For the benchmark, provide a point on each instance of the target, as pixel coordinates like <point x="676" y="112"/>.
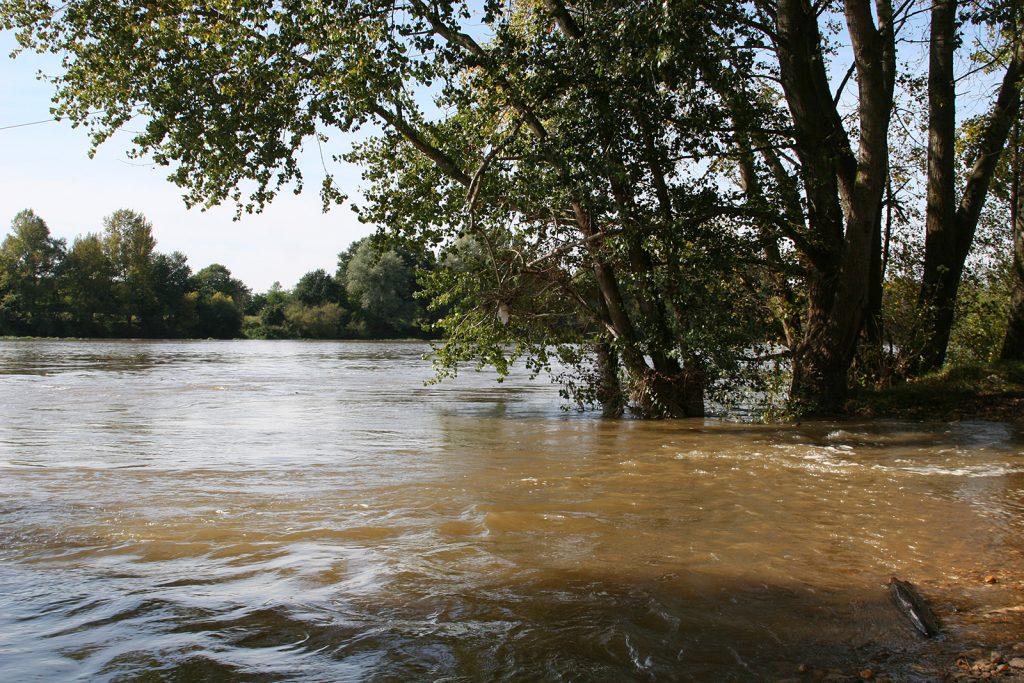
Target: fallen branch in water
<point x="909" y="601"/>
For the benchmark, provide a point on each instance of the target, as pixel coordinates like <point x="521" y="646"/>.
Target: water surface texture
<point x="266" y="511"/>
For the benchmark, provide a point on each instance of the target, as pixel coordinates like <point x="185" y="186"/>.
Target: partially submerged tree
<point x="841" y="180"/>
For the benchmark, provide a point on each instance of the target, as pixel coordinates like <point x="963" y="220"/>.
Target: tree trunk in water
<point x="692" y="391"/>
<point x="670" y="395"/>
<point x="665" y="390"/>
<point x="821" y="364"/>
<point x="670" y="390"/>
<point x="609" y="393"/>
<point x="662" y="391"/>
<point x="819" y="382"/>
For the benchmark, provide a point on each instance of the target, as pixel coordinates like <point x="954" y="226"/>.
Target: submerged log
<point x="909" y="601"/>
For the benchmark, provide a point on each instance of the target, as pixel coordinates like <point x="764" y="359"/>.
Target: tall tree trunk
<point x="671" y="392"/>
<point x="937" y="291"/>
<point x="948" y="240"/>
<point x="844" y="191"/>
<point x="1013" y="342"/>
<point x="870" y="365"/>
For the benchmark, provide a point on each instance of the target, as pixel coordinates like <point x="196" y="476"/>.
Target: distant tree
<point x="129" y="244"/>
<point x="344" y="257"/>
<point x="318" y="287"/>
<point x="113" y="284"/>
<point x="217" y="278"/>
<point x="87" y="286"/>
<point x="380" y="286"/>
<point x="257" y="302"/>
<point x="321" y="321"/>
<point x="217" y="316"/>
<point x="220" y="301"/>
<point x="276" y="300"/>
<point x="29" y="262"/>
<point x="268" y="319"/>
<point x="171" y="282"/>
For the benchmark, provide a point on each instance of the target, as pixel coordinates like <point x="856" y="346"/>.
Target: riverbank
<point x="993" y="392"/>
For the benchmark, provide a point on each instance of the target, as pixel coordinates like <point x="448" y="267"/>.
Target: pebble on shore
<point x="971" y="665"/>
<point x="978" y="665"/>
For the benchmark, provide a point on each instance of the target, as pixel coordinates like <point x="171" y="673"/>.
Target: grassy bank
<point x="968" y="392"/>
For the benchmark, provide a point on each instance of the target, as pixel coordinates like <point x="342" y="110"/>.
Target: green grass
<point x="992" y="391"/>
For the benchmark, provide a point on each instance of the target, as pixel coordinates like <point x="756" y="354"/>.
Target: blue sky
<point x="46" y="167"/>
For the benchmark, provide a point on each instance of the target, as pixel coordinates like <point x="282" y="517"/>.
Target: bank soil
<point x="989" y="392"/>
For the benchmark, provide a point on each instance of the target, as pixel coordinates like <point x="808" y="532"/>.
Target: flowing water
<point x="311" y="511"/>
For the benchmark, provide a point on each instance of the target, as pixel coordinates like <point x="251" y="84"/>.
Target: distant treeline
<point x="115" y="284"/>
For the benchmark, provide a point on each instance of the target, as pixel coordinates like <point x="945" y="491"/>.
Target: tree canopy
<point x="659" y="194"/>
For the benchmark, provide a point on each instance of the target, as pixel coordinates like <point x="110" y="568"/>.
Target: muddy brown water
<point x="272" y="511"/>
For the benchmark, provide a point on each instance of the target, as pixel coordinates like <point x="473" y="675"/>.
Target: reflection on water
<point x="310" y="511"/>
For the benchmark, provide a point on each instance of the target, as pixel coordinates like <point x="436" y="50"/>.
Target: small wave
<point x="970" y="471"/>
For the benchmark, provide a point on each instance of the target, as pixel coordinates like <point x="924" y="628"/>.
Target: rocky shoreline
<point x="1005" y="665"/>
<point x="982" y="640"/>
<point x="977" y="664"/>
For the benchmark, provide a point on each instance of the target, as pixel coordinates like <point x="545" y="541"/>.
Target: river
<point x="266" y="511"/>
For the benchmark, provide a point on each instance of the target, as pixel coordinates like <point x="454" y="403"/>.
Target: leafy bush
<point x="325" y="321"/>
